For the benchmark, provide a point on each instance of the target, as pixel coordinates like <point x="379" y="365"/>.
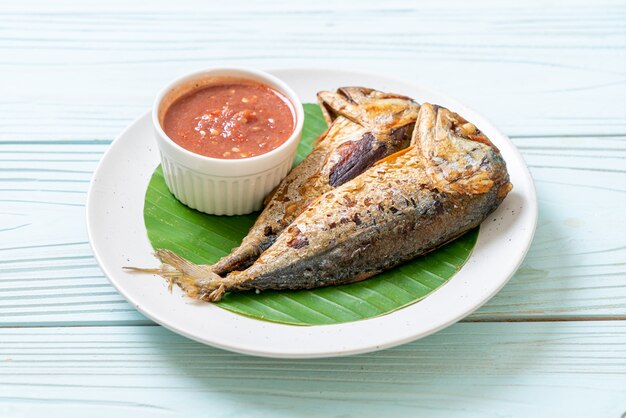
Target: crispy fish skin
<point x="406" y="205"/>
<point x="456" y="161"/>
<point x="382" y="112"/>
<point x="345" y="150"/>
<point x="300" y="187"/>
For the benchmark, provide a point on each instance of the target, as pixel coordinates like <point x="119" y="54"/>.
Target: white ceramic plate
<point x="118" y="238"/>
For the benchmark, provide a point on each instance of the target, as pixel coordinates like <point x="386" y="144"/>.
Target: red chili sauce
<point x="231" y="120"/>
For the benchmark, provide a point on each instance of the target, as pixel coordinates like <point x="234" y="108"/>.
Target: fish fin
<point x="355" y="94"/>
<point x="217" y="294"/>
<point x="328" y="112"/>
<point x="367" y="107"/>
<point x="185" y="266"/>
<point x="345" y="102"/>
<point x="334" y="104"/>
<point x="359" y="95"/>
<point x="197" y="281"/>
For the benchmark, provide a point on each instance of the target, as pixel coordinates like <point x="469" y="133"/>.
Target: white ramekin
<point x="219" y="186"/>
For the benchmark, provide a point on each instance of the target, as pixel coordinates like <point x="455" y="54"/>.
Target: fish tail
<point x="197" y="281"/>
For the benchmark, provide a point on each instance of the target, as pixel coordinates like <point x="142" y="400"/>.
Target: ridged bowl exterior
<point x="222" y="195"/>
<point x="221" y="186"/>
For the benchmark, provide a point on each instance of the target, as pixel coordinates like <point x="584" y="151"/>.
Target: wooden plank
<point x="549" y="74"/>
<point x="48" y="274"/>
<point x="548" y="69"/>
<point x="468" y="370"/>
<point x="574" y="270"/>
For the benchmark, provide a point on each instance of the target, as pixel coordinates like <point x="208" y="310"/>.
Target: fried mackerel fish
<point x="365" y="126"/>
<point x="408" y="204"/>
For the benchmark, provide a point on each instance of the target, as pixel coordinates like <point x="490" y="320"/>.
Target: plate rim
<point x="530" y="204"/>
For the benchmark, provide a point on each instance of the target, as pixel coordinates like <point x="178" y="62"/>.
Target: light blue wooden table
<point x="552" y="75"/>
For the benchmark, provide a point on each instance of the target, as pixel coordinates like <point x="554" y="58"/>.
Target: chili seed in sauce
<point x="232" y="120"/>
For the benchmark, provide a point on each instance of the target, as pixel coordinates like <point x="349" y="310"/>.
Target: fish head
<point x="382" y="112"/>
<point x="460" y="157"/>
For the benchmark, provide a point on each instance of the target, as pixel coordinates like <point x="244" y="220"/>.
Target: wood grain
<point x="556" y="68"/>
<point x="575" y="269"/>
<point x="551" y="74"/>
<point x="468" y="370"/>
